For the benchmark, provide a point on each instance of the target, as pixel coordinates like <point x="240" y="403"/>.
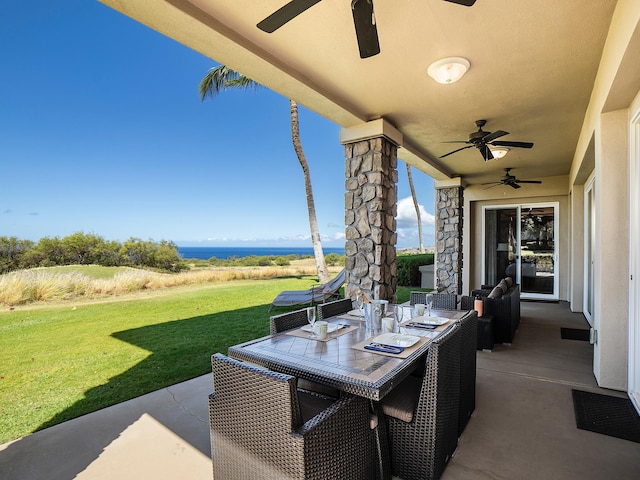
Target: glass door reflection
<point x="520" y="242"/>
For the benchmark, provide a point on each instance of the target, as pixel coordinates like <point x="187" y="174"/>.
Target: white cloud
<point x="407" y="224"/>
<point x="406" y="217"/>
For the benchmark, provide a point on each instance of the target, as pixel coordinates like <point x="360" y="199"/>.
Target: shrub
<point x="12" y="251"/>
<point x="282" y="261"/>
<point x="334" y="259"/>
<point x="408" y="268"/>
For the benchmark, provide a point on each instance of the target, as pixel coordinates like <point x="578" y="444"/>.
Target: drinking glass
<point x="429" y="301"/>
<point x="311" y="318"/>
<point x="360" y="305"/>
<point x="396" y="313"/>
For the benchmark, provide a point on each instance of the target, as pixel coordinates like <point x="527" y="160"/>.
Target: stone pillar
<point x="449" y="203"/>
<point x="370" y="211"/>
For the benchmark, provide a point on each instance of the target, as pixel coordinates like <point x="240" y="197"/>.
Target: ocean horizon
<point x="205" y="253"/>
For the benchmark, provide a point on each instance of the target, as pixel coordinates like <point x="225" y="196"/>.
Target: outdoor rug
<point x="613" y="416"/>
<point x="574" y="334"/>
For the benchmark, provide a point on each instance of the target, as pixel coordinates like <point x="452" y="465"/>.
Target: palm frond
<point x="222" y="78"/>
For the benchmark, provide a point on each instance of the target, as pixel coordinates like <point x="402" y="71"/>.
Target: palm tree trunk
<point x="415" y="204"/>
<point x="221" y="78"/>
<point x="321" y="266"/>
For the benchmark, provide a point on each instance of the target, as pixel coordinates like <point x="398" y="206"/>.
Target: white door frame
<point x="589" y="247"/>
<point x="556" y="222"/>
<point x="634" y="260"/>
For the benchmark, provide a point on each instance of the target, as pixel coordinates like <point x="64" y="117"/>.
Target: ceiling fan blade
<point x="485" y="152"/>
<point x="503" y="143"/>
<point x="465" y="3"/>
<point x="284" y="14"/>
<point x="366" y="32"/>
<point x="491" y="185"/>
<point x="514" y="185"/>
<point x="529" y="181"/>
<point x="463" y="148"/>
<point x="492" y="136"/>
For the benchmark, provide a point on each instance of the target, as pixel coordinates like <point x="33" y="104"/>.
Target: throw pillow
<point x="503" y="286"/>
<point x="509" y="281"/>
<point x="495" y="293"/>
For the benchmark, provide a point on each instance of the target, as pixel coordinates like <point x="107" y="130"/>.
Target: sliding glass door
<point x="520" y="242"/>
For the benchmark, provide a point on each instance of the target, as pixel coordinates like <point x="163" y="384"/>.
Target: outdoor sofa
<point x="501" y="301"/>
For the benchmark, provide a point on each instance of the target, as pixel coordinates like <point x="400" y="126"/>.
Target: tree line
<point x="88" y="249"/>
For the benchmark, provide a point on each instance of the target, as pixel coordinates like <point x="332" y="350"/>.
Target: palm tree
<point x="415" y="204"/>
<point x="222" y="78"/>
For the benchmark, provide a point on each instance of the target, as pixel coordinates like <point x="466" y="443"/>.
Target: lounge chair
<point x="317" y="294"/>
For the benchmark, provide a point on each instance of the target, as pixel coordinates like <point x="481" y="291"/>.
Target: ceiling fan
<point x="483" y="140"/>
<point x="510" y="180"/>
<point x="363" y="18"/>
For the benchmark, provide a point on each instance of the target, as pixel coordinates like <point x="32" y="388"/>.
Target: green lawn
<point x="60" y="362"/>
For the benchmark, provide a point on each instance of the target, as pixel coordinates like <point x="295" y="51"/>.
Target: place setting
<point x="390" y="341"/>
<point x="398" y="345"/>
<point x="358" y="312"/>
<point x="320" y="330"/>
<point x="421" y="321"/>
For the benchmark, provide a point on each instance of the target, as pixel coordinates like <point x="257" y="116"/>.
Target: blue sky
<point x="102" y="131"/>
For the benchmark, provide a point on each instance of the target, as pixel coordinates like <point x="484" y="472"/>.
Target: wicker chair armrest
<point x="338" y="442"/>
<point x="345" y="409"/>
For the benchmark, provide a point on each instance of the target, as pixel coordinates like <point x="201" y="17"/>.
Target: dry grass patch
<point x="45" y="285"/>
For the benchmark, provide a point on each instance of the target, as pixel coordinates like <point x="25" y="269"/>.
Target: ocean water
<point x="227" y="252"/>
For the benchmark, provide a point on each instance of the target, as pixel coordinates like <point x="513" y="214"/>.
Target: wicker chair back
<point x="422" y="448"/>
<point x="468" y="344"/>
<point x="287" y="321"/>
<point x="257" y="430"/>
<point x="329" y="309"/>
<point x="441" y="301"/>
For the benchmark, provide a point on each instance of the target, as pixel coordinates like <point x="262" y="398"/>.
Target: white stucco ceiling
<point x="533" y="64"/>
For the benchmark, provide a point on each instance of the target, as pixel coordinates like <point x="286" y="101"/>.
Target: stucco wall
<point x="611" y="309"/>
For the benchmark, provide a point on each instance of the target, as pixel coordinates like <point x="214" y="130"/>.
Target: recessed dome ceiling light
<point x="448" y="70"/>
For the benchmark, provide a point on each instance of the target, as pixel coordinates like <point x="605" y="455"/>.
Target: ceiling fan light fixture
<point x="448" y="70"/>
<point x="499" y="152"/>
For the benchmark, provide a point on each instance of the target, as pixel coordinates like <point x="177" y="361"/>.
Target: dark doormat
<point x="613" y="416"/>
<point x="574" y="334"/>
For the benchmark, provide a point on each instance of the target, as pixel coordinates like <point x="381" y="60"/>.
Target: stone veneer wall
<point x="370" y="211"/>
<point x="449" y="239"/>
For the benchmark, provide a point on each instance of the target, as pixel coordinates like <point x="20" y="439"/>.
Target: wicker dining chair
<point x="262" y="427"/>
<point x="441" y="301"/>
<point x="287" y="321"/>
<point x="422" y="413"/>
<point x="329" y="309"/>
<point x="468" y="342"/>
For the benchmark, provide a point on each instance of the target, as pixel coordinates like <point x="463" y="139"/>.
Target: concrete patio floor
<point x="523" y="426"/>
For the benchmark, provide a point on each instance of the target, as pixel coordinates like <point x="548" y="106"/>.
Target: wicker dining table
<point x="341" y="362"/>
